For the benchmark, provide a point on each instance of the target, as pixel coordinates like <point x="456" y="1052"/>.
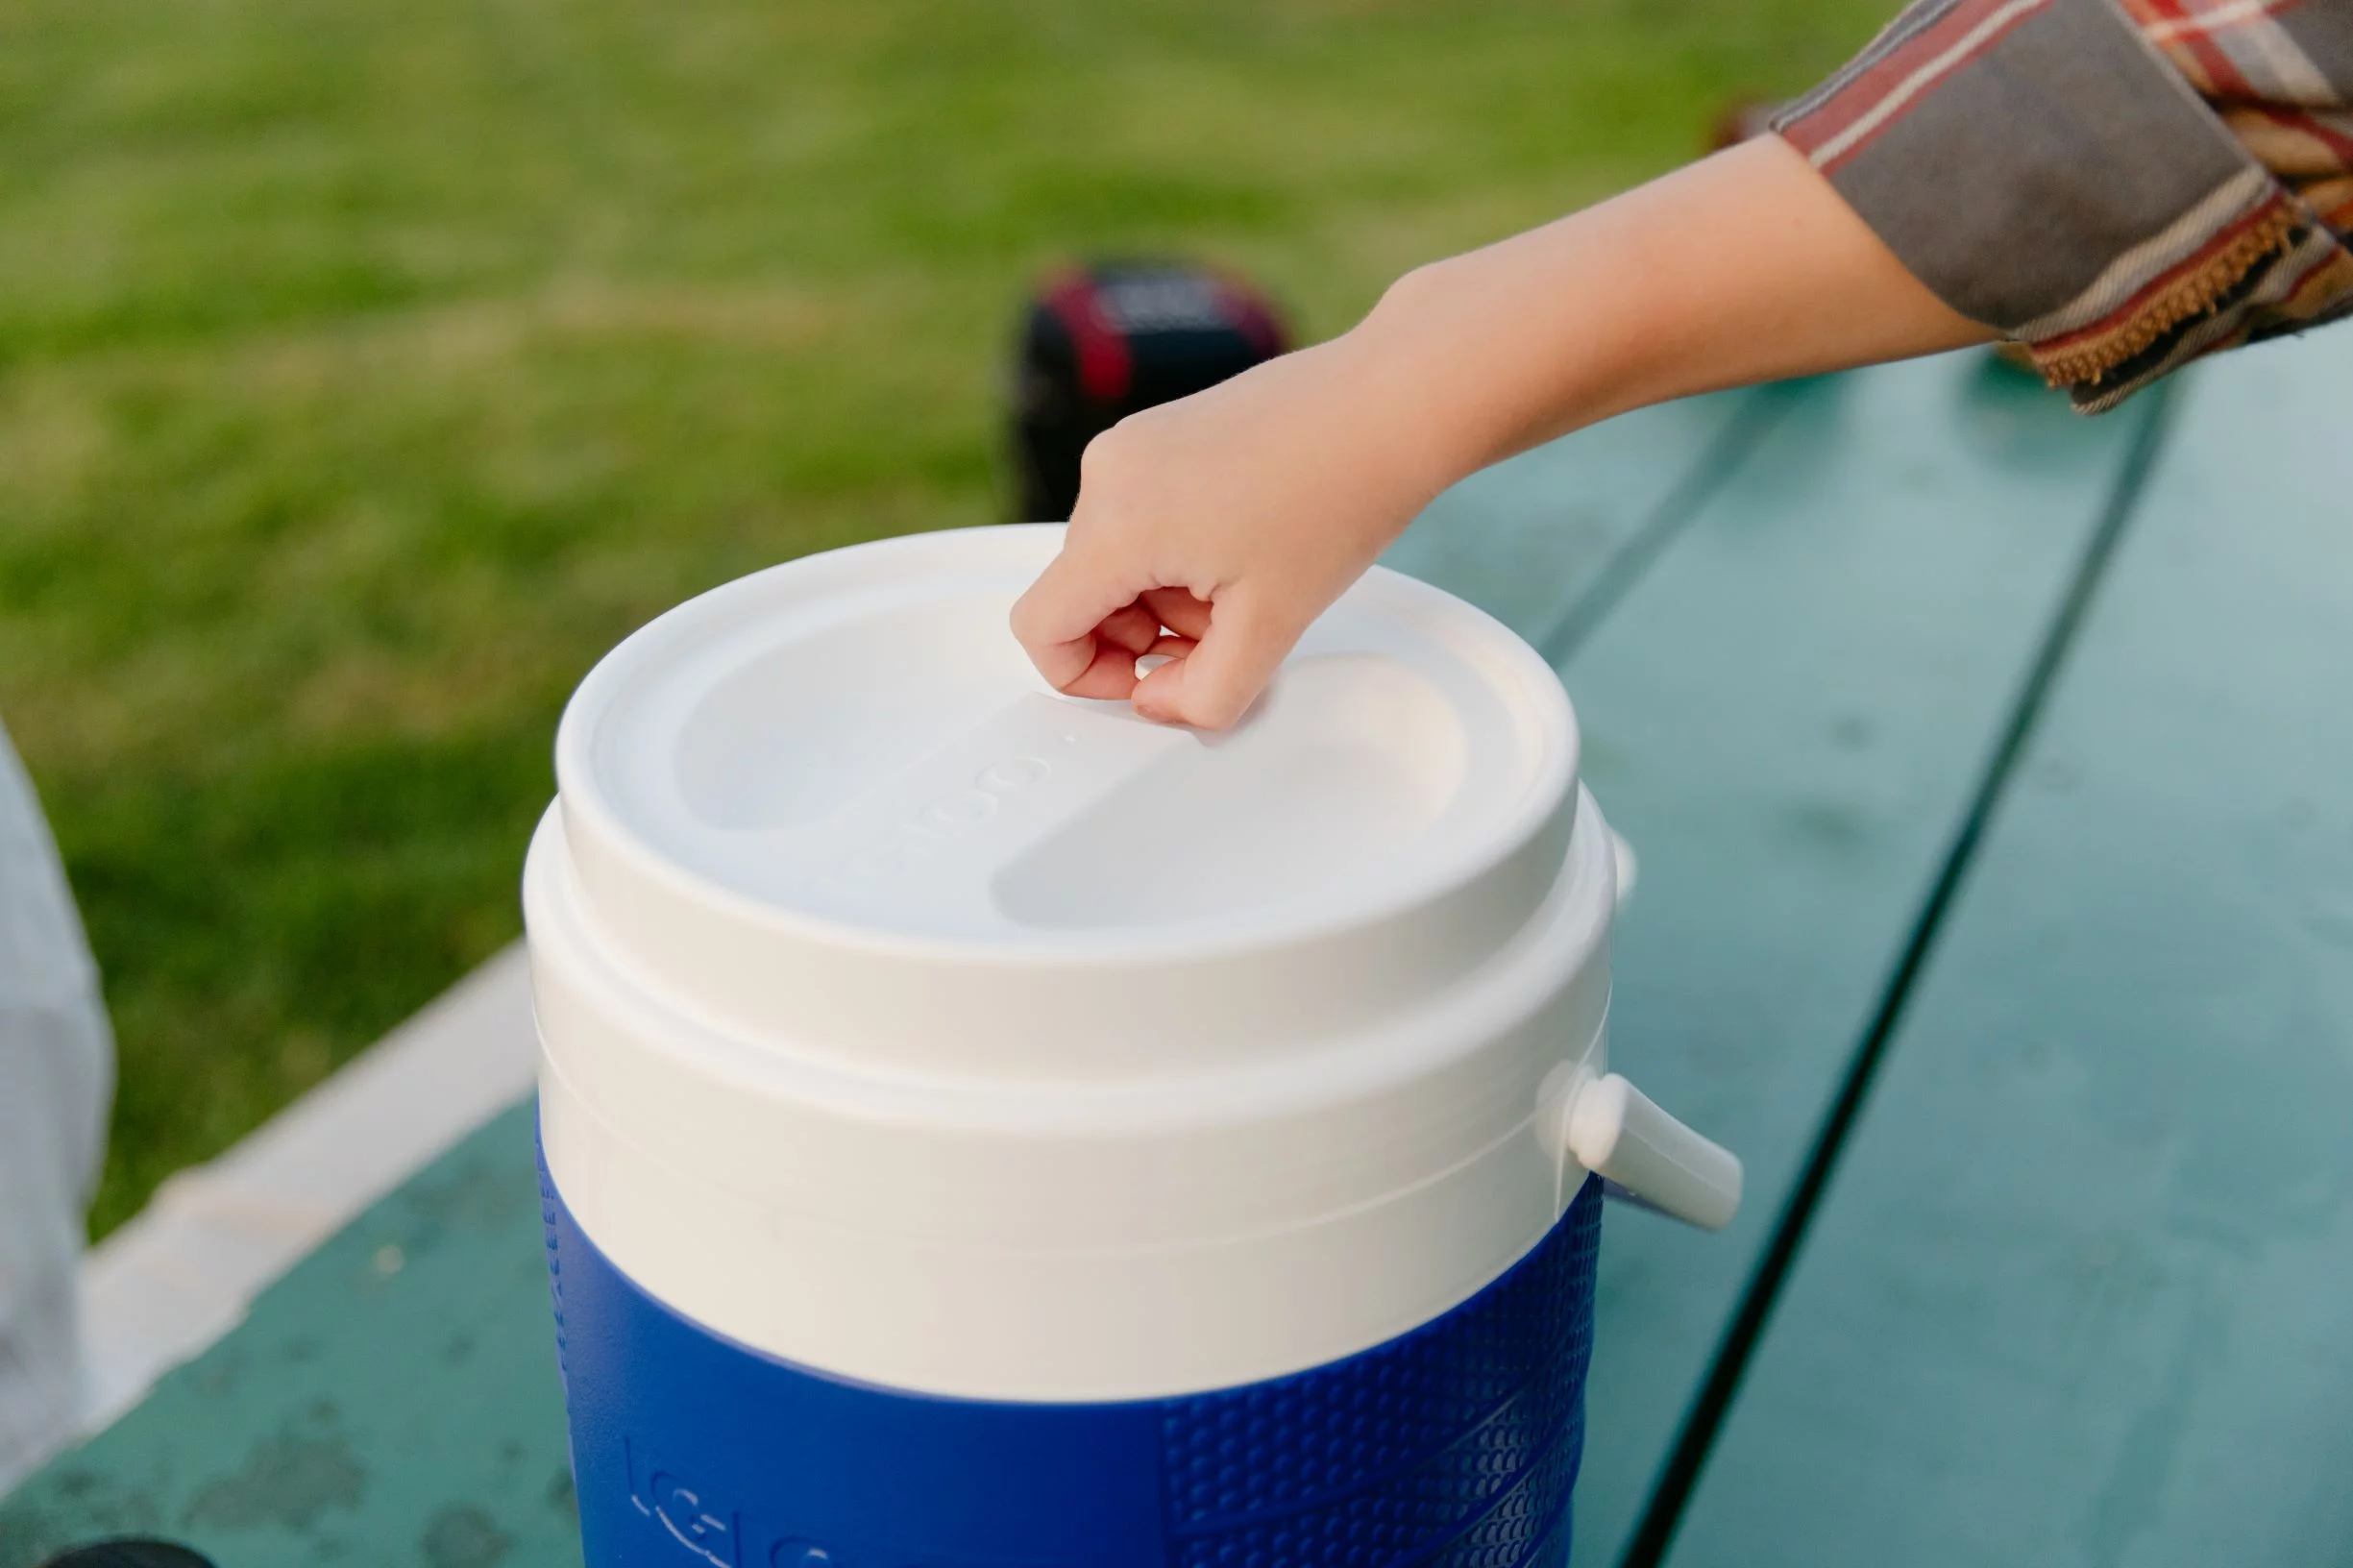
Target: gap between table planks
<point x="2079" y="1293"/>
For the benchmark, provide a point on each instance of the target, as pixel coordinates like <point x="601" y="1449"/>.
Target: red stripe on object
<point x="2313" y="125"/>
<point x="2223" y="79"/>
<point x="1104" y="366"/>
<point x="1865" y="93"/>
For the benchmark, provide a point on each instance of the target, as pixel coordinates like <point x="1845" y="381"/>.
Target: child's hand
<point x="1232" y="519"/>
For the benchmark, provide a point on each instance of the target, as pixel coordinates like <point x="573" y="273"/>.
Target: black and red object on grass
<point x="1103" y="341"/>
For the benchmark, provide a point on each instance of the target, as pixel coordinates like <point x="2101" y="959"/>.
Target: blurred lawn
<point x="367" y="369"/>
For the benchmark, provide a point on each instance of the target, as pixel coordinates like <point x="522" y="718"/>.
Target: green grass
<point x="367" y="369"/>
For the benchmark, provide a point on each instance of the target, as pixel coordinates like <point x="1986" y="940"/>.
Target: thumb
<point x="1214" y="684"/>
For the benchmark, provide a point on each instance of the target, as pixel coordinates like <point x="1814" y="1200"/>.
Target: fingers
<point x="1084" y="624"/>
<point x="1124" y="636"/>
<point x="1157" y="694"/>
<point x="1178" y="611"/>
<point x="1080" y="612"/>
<point x="1131" y="626"/>
<point x="1214" y="684"/>
<point x="1110" y="674"/>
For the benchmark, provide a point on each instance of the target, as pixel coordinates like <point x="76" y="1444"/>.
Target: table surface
<point x="1987" y="768"/>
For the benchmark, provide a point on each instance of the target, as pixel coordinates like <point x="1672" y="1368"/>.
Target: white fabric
<point x="57" y="1076"/>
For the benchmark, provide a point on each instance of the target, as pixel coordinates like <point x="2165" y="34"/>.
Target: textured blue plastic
<point x="1453" y="1446"/>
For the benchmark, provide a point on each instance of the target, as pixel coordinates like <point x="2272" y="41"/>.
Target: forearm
<point x="1230" y="519"/>
<point x="1746" y="267"/>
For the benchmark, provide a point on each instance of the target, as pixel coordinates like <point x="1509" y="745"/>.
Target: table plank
<point x="393" y="1400"/>
<point x="1529" y="540"/>
<point x="2078" y="1292"/>
<point x="1786" y="718"/>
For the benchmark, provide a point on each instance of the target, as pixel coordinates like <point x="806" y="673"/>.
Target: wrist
<point x="1399" y="439"/>
<point x="1500" y="349"/>
<point x="1406" y="372"/>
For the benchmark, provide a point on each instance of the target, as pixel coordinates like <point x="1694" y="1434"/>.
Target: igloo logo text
<point x="934" y="825"/>
<point x="695" y="1521"/>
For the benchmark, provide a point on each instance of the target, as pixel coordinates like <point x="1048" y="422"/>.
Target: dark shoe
<point x="129" y="1552"/>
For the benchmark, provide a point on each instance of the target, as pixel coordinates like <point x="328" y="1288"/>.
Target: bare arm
<point x="1233" y="518"/>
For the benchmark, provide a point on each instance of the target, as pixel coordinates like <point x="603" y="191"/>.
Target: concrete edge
<point x="175" y="1278"/>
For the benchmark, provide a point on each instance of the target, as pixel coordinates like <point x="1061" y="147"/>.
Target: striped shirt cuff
<point x="2042" y="167"/>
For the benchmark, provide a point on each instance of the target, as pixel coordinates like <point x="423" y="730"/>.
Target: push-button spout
<point x="1619" y="1134"/>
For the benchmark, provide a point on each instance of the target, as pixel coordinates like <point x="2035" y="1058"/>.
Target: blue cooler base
<point x="1454" y="1446"/>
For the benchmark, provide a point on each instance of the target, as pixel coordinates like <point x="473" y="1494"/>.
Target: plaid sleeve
<point x="2118" y="185"/>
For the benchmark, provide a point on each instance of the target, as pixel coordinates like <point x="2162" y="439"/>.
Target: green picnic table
<point x="1991" y="774"/>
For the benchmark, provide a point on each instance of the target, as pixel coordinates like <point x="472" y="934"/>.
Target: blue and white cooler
<point x="984" y="1130"/>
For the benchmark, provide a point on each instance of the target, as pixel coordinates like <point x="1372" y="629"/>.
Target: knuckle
<point x="1123" y="449"/>
<point x="1105" y="455"/>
